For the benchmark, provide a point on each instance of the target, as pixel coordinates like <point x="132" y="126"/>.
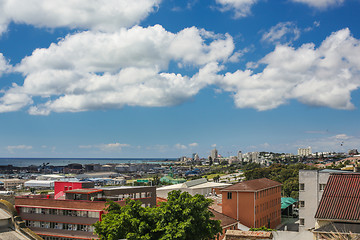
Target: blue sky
<point x="167" y="78"/>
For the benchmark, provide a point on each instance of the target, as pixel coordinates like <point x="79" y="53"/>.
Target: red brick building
<point x="254" y="203"/>
<point x="71" y="216"/>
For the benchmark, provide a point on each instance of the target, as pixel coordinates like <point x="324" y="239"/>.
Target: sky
<point x="168" y="78"/>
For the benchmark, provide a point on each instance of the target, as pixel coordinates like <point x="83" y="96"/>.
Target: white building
<point x="304" y="151"/>
<point x="311" y="187"/>
<point x="251" y="157"/>
<point x="199" y="186"/>
<point x="240" y="156"/>
<point x="214" y="154"/>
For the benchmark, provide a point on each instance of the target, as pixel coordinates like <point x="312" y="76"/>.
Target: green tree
<point x="131" y="221"/>
<point x="182" y="217"/>
<point x="187" y="217"/>
<point x="288" y="175"/>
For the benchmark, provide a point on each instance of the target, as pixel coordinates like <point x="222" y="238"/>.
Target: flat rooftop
<point x="84" y="190"/>
<point x="123" y="187"/>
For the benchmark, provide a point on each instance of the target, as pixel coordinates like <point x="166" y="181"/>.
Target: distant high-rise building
<point x="240" y="156"/>
<point x="214" y="154"/>
<point x="304" y="151"/>
<point x="251" y="157"/>
<point x="195" y="157"/>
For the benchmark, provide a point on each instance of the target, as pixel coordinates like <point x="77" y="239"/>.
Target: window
<point x="301" y="203"/>
<point x="302" y="186"/>
<point x="229" y="195"/>
<point x="302" y="221"/>
<point x="93" y="214"/>
<point x="322" y="187"/>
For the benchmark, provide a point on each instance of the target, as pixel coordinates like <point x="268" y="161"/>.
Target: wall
<point x="240" y="207"/>
<point x="268" y="207"/>
<point x="60" y="186"/>
<point x="311" y="195"/>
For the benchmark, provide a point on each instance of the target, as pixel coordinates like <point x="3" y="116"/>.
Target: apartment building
<point x="12" y="183"/>
<point x="311" y="188"/>
<point x="254" y="203"/>
<point x="71" y="216"/>
<point x="304" y="151"/>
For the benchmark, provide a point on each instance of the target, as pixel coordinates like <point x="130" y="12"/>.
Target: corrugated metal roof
<point x="195" y="182"/>
<point x="287" y="201"/>
<point x="253" y="185"/>
<point x="341" y="198"/>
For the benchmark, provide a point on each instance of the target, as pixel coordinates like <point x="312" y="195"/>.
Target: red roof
<point x="252" y="185"/>
<point x="225" y="220"/>
<point x="341" y="198"/>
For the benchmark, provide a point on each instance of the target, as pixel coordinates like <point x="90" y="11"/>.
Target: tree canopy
<point x="288" y="175"/>
<point x="182" y="217"/>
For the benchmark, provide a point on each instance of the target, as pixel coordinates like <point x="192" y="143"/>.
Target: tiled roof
<point x="341" y="198"/>
<point x="236" y="234"/>
<point x="253" y="185"/>
<point x="225" y="220"/>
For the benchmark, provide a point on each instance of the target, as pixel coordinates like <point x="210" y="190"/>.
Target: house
<point x="255" y="203"/>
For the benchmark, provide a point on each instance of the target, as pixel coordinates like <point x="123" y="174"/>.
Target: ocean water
<point x="24" y="162"/>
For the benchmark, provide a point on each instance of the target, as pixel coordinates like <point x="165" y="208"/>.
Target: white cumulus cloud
<point x="321" y="4"/>
<point x="323" y="76"/>
<point x="93" y="70"/>
<point x="241" y="8"/>
<point x="104" y="15"/>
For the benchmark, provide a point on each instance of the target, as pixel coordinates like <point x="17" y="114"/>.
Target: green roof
<point x="169" y="179"/>
<point x="287" y="201"/>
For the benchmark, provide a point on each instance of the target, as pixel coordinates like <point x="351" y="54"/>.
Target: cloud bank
<point x="94" y="70"/>
<point x="109" y="15"/>
<point x="323" y="76"/>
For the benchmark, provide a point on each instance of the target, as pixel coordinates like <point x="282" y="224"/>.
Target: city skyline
<point x="153" y="78"/>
